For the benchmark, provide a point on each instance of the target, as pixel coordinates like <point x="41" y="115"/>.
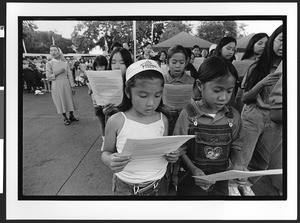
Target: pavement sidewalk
<point x="59" y="159"/>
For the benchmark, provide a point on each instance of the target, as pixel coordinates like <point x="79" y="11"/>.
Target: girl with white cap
<point x="140" y="116"/>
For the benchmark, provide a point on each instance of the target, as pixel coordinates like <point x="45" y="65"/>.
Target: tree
<point x="29" y="37"/>
<point x="40" y="41"/>
<point x="214" y="31"/>
<point x="241" y="30"/>
<point x="173" y="28"/>
<point x="89" y="34"/>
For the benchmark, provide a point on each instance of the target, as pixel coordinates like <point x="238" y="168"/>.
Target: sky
<point x="65" y="28"/>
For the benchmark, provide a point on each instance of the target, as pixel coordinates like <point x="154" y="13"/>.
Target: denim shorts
<point x="155" y="188"/>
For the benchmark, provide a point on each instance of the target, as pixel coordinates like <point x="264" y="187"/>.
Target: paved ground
<point x="59" y="159"/>
<point x="65" y="160"/>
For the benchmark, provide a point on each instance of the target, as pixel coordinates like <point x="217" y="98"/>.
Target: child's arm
<point x="110" y="156"/>
<point x="269" y="80"/>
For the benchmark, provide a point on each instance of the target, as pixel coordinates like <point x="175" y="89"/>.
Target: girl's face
<point x="259" y="46"/>
<point x="228" y="50"/>
<point x="196" y="52"/>
<point x="147" y="49"/>
<point x="54" y="52"/>
<point x="98" y="67"/>
<point x="146" y="96"/>
<point x="162" y="56"/>
<point x="204" y="53"/>
<point x="217" y="93"/>
<point x="117" y="63"/>
<point x="177" y="64"/>
<point x="277" y="45"/>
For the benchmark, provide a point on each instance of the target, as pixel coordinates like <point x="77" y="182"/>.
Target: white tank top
<point x="136" y="172"/>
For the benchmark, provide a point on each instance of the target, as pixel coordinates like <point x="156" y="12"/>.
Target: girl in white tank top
<point x="140" y="117"/>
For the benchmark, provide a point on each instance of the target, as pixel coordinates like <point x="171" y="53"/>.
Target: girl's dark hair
<point x="215" y="67"/>
<point x="196" y="46"/>
<point x="113" y="45"/>
<point x="53" y="45"/>
<point x="265" y="62"/>
<point x="125" y="55"/>
<point x="188" y="53"/>
<point x="250" y="47"/>
<point x="146" y="44"/>
<point x="176" y="49"/>
<point x="144" y="75"/>
<point x="100" y="61"/>
<point x="224" y="41"/>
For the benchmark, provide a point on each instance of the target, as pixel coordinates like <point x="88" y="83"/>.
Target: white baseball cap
<point x="140" y="66"/>
<point x="212" y="47"/>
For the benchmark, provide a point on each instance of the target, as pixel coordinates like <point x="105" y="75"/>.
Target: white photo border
<point x="150" y="210"/>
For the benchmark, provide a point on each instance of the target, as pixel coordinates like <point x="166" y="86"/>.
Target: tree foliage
<point x="40" y="41"/>
<point x="214" y="31"/>
<point x="241" y="30"/>
<point x="89" y="34"/>
<point x="174" y="27"/>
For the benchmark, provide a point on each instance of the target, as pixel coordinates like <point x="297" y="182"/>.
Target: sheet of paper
<point x="235" y="174"/>
<point x="153" y="148"/>
<point x="177" y="96"/>
<point x="279" y="68"/>
<point x="241" y="66"/>
<point x="197" y="62"/>
<point x="107" y="86"/>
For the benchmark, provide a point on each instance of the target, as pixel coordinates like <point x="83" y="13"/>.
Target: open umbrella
<point x="243" y="42"/>
<point x="185" y="39"/>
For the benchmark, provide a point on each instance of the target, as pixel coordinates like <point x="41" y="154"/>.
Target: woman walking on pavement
<point x="57" y="71"/>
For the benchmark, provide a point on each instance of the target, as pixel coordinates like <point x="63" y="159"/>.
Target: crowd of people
<point x="235" y="117"/>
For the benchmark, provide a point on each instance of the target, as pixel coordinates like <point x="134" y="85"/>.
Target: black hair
<point x="176" y="49"/>
<point x="125" y="55"/>
<point x="100" y="61"/>
<point x="250" y="46"/>
<point x="265" y="62"/>
<point x="144" y="75"/>
<point x="196" y="46"/>
<point x="188" y="53"/>
<point x="215" y="67"/>
<point x="53" y="45"/>
<point x="115" y="44"/>
<point x="146" y="44"/>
